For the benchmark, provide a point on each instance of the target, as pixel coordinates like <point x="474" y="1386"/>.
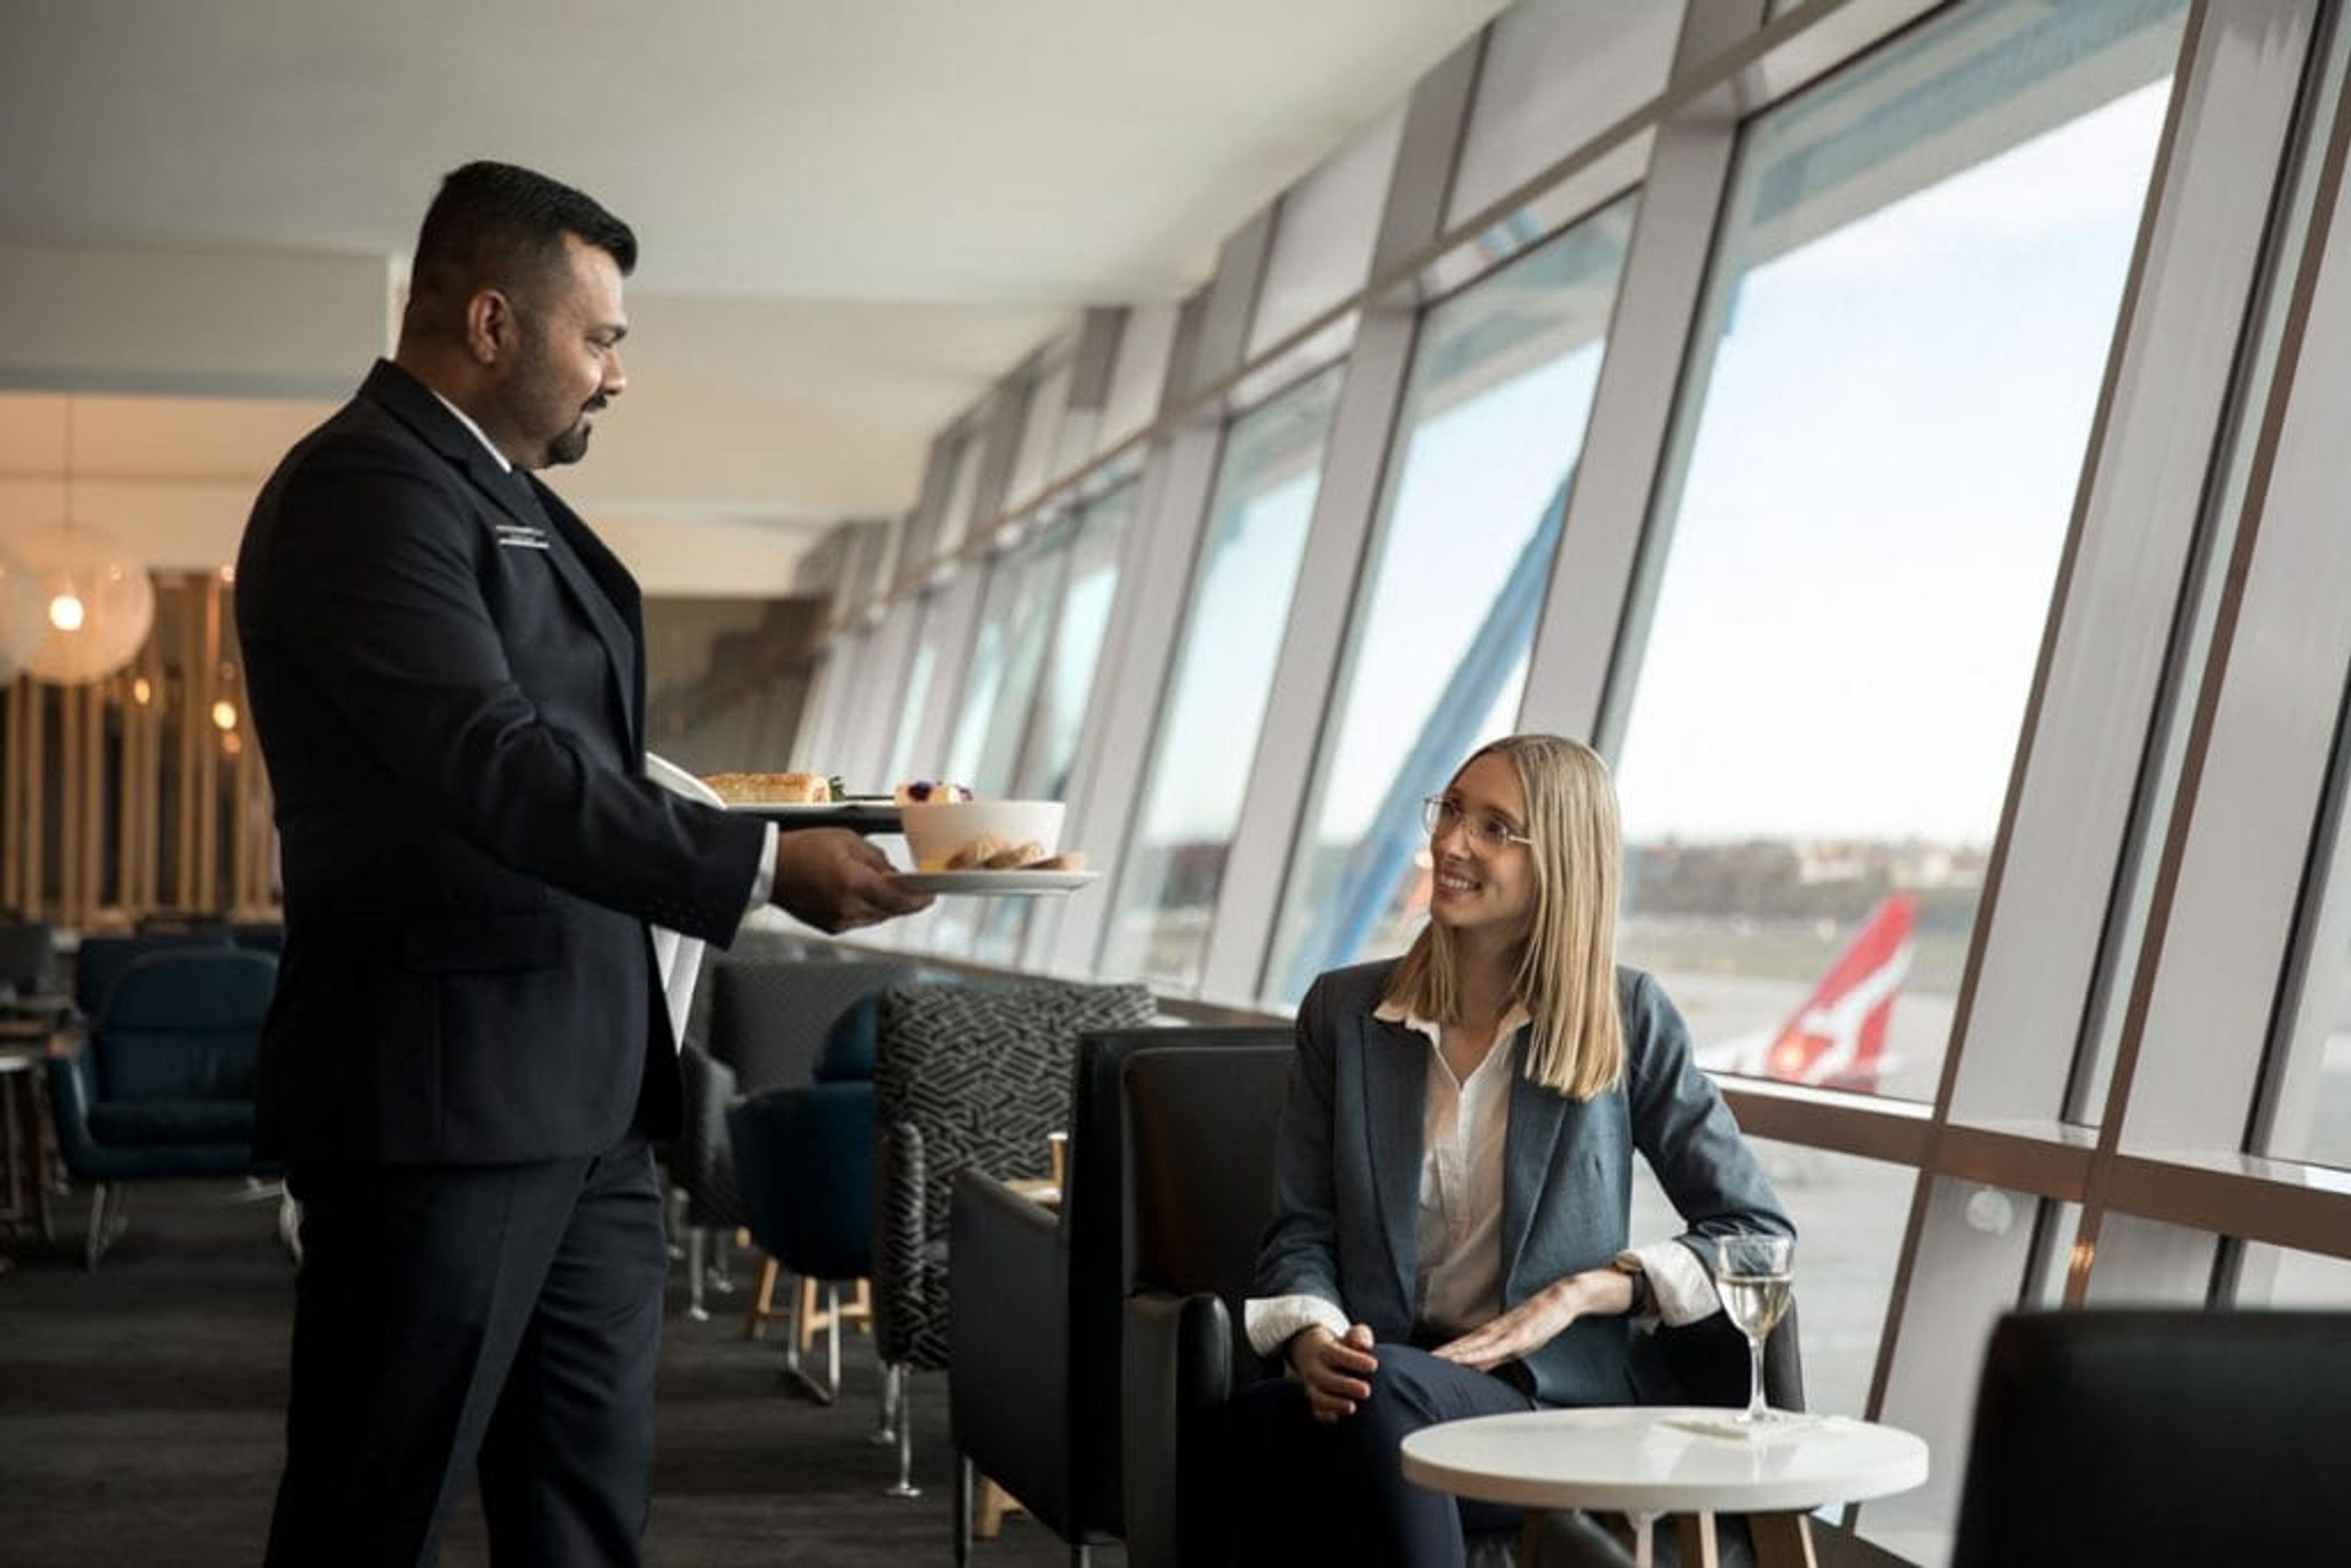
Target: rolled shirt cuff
<point x="1271" y="1321"/>
<point x="1679" y="1286"/>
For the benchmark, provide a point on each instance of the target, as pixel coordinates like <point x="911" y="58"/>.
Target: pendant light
<point x="94" y="599"/>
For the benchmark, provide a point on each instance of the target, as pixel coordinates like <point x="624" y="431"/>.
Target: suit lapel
<point x="1536" y="1117"/>
<point x="1395" y="1099"/>
<point x="599" y="585"/>
<point x="605" y="592"/>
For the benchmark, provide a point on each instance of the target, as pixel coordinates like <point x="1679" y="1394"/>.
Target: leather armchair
<point x="966" y="1078"/>
<point x="1199" y="1187"/>
<point x="162" y="1084"/>
<point x="1036" y="1305"/>
<point x="1197" y="1179"/>
<point x="2145" y="1435"/>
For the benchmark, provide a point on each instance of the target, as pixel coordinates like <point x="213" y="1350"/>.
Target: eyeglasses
<point x="1486" y="830"/>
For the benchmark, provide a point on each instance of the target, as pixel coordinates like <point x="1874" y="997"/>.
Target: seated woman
<point x="1453" y="1180"/>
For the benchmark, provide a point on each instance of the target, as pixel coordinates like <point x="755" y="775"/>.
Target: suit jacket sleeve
<point x="377" y="569"/>
<point x="1687" y="1133"/>
<point x="1299" y="1254"/>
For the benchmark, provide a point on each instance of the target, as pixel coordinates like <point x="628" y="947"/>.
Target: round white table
<point x="1643" y="1461"/>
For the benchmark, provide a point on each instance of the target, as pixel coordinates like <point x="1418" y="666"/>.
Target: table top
<point x="1664" y="1459"/>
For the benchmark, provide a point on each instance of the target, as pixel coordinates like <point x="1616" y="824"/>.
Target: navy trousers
<point x="507" y="1317"/>
<point x="1335" y="1492"/>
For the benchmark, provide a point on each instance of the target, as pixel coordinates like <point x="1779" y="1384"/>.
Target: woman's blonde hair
<point x="1566" y="976"/>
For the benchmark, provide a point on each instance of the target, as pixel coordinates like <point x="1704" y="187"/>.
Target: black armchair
<point x="1036" y="1303"/>
<point x="2139" y="1435"/>
<point x="1198" y="1182"/>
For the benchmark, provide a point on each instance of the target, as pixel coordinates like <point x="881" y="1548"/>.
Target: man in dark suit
<point x="469" y="1049"/>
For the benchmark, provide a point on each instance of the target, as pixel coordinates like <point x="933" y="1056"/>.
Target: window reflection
<point x="1223" y="671"/>
<point x="1492" y="422"/>
<point x="1874" y="470"/>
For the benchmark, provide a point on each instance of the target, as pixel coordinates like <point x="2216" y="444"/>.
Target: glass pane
<point x="1015" y="617"/>
<point x="1978" y="1254"/>
<point x="1493" y="422"/>
<point x="2312" y="1120"/>
<point x="1256" y="534"/>
<point x="1067" y="686"/>
<point x="1063" y="694"/>
<point x="2148" y="1263"/>
<point x="1850" y="1214"/>
<point x="918" y="696"/>
<point x="1920" y="268"/>
<point x="2279" y="1277"/>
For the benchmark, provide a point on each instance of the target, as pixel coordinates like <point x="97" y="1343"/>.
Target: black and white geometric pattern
<point x="965" y="1076"/>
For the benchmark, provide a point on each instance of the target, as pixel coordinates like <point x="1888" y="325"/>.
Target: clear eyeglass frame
<point x="1486" y="830"/>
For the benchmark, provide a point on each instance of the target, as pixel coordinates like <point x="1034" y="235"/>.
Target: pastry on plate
<point x="772" y="788"/>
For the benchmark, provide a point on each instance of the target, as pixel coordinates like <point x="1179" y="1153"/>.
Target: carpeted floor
<point x="139" y="1411"/>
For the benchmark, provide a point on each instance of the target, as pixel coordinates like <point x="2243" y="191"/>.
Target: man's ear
<point x="490" y="326"/>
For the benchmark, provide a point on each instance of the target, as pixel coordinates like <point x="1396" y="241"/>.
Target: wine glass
<point x="1755" y="1276"/>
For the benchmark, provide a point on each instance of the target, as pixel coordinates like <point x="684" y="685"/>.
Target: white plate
<point x="995" y="881"/>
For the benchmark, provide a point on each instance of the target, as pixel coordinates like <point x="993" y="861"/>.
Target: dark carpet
<point x="140" y="1409"/>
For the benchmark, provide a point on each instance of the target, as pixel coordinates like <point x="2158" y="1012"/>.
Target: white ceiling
<point x="854" y="215"/>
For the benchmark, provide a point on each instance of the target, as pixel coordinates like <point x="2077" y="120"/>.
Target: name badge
<point x="521" y="536"/>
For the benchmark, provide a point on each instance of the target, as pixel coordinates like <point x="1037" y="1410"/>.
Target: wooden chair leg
<point x="995" y="1503"/>
<point x="763" y="1300"/>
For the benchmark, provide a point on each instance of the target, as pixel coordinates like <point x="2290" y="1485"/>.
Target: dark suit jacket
<point x="1347" y="1179"/>
<point x="445" y="678"/>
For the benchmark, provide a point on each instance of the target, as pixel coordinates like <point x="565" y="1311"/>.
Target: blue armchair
<point x="162" y="1083"/>
<point x="804" y="1164"/>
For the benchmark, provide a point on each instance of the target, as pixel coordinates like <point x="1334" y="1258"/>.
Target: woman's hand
<point x="1336" y="1372"/>
<point x="1540" y="1319"/>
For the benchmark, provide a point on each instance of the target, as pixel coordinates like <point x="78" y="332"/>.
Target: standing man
<point x="469" y="1049"/>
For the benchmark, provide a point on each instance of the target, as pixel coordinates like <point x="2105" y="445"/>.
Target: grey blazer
<point x="1347" y="1176"/>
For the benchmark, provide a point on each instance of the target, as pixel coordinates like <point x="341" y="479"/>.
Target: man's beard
<point x="570" y="446"/>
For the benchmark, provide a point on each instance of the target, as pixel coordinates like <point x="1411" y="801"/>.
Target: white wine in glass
<point x="1755" y="1276"/>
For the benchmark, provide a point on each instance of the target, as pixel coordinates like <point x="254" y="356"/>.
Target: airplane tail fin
<point x="1836" y="1038"/>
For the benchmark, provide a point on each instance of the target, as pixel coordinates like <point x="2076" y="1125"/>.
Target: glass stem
<point x="1755" y="1377"/>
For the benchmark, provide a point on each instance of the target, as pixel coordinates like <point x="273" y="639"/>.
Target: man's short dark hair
<point x="496" y="226"/>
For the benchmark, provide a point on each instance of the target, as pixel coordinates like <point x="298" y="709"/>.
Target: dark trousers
<point x="1336" y="1492"/>
<point x="507" y="1317"/>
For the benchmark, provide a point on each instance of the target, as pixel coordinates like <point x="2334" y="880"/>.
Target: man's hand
<point x="1336" y="1372"/>
<point x="835" y="881"/>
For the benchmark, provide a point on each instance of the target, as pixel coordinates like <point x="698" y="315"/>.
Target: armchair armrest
<point x="1008" y="1333"/>
<point x="1178" y="1377"/>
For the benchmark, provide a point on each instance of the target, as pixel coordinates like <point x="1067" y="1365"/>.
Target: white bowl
<point x="936" y="830"/>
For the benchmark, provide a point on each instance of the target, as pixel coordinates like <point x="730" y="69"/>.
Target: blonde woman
<point x="1449" y="1227"/>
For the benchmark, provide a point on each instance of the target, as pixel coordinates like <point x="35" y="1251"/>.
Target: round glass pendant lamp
<point x="95" y="601"/>
<point x="92" y="600"/>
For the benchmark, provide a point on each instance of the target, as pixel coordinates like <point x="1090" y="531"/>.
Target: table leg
<point x="1645" y="1554"/>
<point x="1782" y="1540"/>
<point x="1694" y="1534"/>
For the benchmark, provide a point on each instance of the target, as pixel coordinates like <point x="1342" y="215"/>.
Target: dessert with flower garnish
<point x="931" y="792"/>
